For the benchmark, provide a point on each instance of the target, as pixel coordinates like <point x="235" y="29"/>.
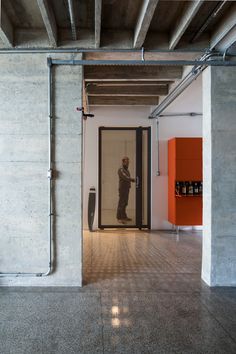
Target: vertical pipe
<point x="50" y="171"/>
<point x="158" y="149"/>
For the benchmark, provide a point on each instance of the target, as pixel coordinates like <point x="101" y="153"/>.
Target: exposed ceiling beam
<point x="72" y="19"/>
<point x="144" y="20"/>
<point x="94" y="90"/>
<point x="6" y="29"/>
<point x="220" y="5"/>
<point x="228" y="40"/>
<point x="124" y="101"/>
<point x="130" y="83"/>
<point x="98" y="18"/>
<point x="227" y="23"/>
<point x="127" y="73"/>
<point x="49" y="21"/>
<point x="187" y="16"/>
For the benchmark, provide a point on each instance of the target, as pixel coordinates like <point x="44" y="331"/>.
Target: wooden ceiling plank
<point x="128" y="73"/>
<point x="124" y="101"/>
<point x="93" y="90"/>
<point x="131" y="83"/>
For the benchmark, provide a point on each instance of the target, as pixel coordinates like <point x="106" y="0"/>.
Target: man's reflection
<point x="124" y="187"/>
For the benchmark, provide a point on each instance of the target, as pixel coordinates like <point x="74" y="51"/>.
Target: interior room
<point x="117" y="166"/>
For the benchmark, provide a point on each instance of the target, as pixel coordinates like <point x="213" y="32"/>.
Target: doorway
<point x="115" y="144"/>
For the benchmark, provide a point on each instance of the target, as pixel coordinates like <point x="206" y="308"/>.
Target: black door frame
<point x="139" y="131"/>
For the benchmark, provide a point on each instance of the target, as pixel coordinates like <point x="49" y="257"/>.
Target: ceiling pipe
<point x="213" y="15"/>
<point x="195" y="63"/>
<point x="18" y="50"/>
<point x="72" y="19"/>
<point x="183" y="84"/>
<point x="177" y="91"/>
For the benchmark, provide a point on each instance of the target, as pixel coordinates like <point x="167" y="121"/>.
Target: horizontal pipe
<point x="146" y="62"/>
<point x="92" y="50"/>
<point x="16" y="275"/>
<point x="189" y="114"/>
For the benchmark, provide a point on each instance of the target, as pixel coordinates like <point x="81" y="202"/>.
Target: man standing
<point x="124" y="187"/>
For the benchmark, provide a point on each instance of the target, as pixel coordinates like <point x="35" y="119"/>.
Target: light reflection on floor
<point x="153" y="299"/>
<point x="142" y="295"/>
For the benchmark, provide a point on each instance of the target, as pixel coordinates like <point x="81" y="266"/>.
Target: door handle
<point x="137" y="182"/>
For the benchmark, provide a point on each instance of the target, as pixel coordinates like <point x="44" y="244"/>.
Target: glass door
<point x="124" y="177"/>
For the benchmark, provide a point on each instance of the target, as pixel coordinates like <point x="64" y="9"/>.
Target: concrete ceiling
<point x="180" y="27"/>
<point x="155" y="23"/>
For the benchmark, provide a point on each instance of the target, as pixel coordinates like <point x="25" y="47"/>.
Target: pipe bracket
<point x="50" y="174"/>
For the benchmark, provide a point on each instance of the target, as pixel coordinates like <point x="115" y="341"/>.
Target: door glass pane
<point x="145" y="178"/>
<point x="118" y="196"/>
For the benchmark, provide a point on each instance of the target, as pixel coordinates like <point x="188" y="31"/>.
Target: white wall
<point x="169" y="127"/>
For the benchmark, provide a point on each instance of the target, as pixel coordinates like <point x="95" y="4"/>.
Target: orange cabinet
<point x="185" y="181"/>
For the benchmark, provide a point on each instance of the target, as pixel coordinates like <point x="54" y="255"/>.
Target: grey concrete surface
<point x="143" y="294"/>
<point x="219" y="170"/>
<point x="23" y="170"/>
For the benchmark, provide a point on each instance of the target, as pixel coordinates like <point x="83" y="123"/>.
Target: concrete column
<point x="23" y="170"/>
<point x="219" y="173"/>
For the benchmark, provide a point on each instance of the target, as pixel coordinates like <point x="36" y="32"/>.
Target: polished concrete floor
<point x="142" y="294"/>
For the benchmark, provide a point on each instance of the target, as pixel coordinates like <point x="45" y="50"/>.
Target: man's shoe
<point x="128" y="219"/>
<point x="121" y="221"/>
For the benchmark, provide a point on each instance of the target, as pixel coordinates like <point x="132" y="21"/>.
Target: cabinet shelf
<point x="188" y="196"/>
<point x="184" y="167"/>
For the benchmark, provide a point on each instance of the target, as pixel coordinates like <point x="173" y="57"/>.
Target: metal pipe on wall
<point x="92" y="50"/>
<point x="50" y="170"/>
<point x="50" y="176"/>
<point x="158" y="173"/>
<point x="145" y="63"/>
<point x="191" y="114"/>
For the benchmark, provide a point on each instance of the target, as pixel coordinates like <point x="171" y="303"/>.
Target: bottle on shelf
<point x="177" y="188"/>
<point x="190" y="188"/>
<point x="187" y="187"/>
<point x="183" y="189"/>
<point x="200" y="188"/>
<point x="195" y="188"/>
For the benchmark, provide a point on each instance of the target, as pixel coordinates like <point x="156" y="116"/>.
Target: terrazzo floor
<point x="142" y="293"/>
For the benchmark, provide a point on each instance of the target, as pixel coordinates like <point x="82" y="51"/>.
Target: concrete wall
<point x="189" y="101"/>
<point x="23" y="170"/>
<point x="219" y="157"/>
